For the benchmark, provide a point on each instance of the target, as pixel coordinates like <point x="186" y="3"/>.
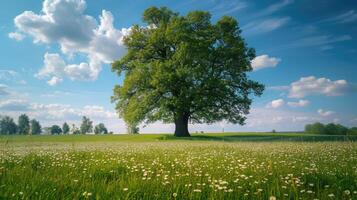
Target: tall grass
<point x="177" y="170"/>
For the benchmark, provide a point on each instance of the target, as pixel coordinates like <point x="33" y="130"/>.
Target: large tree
<point x="185" y="69"/>
<point x="23" y="125"/>
<point x="7" y="126"/>
<point x="86" y="126"/>
<point x="132" y="128"/>
<point x="35" y="127"/>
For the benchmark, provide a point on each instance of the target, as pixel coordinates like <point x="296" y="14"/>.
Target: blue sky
<point x="56" y="54"/>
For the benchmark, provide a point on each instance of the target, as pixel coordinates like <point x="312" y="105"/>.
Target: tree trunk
<point x="181" y="126"/>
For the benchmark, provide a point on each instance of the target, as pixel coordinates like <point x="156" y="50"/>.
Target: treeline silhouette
<point x="25" y="126"/>
<point x="329" y="129"/>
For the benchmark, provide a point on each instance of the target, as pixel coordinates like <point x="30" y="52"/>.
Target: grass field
<point x="159" y="166"/>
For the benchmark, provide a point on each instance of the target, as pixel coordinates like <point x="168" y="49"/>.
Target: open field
<point x="227" y="137"/>
<point x="206" y="166"/>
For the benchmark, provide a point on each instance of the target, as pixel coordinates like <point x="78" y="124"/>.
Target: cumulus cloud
<point x="97" y="111"/>
<point x="64" y="22"/>
<point x="63" y="111"/>
<point x="56" y="69"/>
<point x="300" y="103"/>
<point x="264" y="61"/>
<point x="317" y="86"/>
<point x="54" y="81"/>
<point x="262" y="119"/>
<point x="16" y="36"/>
<point x="276" y="103"/>
<point x="324" y="113"/>
<point x="55" y="111"/>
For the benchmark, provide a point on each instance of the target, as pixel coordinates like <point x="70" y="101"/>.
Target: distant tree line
<point x="330" y="129"/>
<point x="25" y="126"/>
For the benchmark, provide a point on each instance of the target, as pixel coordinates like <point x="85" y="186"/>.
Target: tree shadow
<point x="263" y="138"/>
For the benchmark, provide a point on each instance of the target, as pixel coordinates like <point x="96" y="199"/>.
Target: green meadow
<point x="159" y="166"/>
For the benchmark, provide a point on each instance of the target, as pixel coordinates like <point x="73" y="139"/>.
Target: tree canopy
<point x="23" y="125"/>
<point x="7" y="126"/>
<point x="100" y="129"/>
<point x="184" y="68"/>
<point x="328" y="129"/>
<point x="65" y="128"/>
<point x="35" y="127"/>
<point x="56" y="130"/>
<point x="86" y="126"/>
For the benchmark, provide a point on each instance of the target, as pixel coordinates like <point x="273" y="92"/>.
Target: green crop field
<point x="159" y="166"/>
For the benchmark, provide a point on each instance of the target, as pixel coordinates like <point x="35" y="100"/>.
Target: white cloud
<point x="64" y="112"/>
<point x="3" y="90"/>
<point x="277" y="6"/>
<point x="317" y="86"/>
<point x="324" y="113"/>
<point x="264" y="61"/>
<point x="227" y="7"/>
<point x="262" y="119"/>
<point x="320" y="40"/>
<point x="278" y="87"/>
<point x="54" y="81"/>
<point x="55" y="111"/>
<point x="353" y="121"/>
<point x="64" y="22"/>
<point x="7" y="74"/>
<point x="267" y="25"/>
<point x="97" y="111"/>
<point x="16" y="36"/>
<point x="276" y="103"/>
<point x="14" y="105"/>
<point x="300" y="103"/>
<point x="346" y="17"/>
<point x="273" y="8"/>
<point x="56" y="94"/>
<point x="56" y="68"/>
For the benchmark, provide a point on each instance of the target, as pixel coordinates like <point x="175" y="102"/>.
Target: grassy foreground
<point x="249" y="166"/>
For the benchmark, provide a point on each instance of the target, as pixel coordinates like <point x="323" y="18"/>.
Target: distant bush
<point x="56" y="130"/>
<point x="352" y="131"/>
<point x="335" y="129"/>
<point x="100" y="129"/>
<point x="328" y="129"/>
<point x="316" y="128"/>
